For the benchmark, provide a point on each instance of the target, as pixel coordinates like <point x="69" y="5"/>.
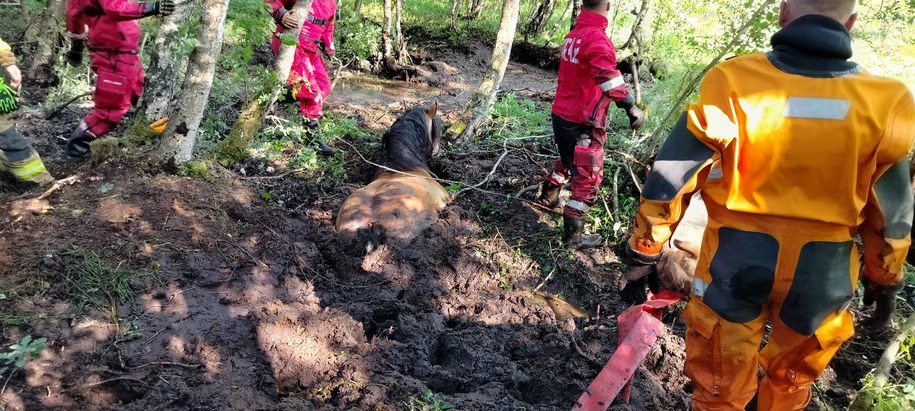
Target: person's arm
<point x="886" y="230"/>
<point x="601" y="58"/>
<point x="328" y="37"/>
<point x="698" y="138"/>
<point x="128" y="10"/>
<point x="278" y="11"/>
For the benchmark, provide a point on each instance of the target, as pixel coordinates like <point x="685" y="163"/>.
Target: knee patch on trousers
<point x="588" y="161"/>
<point x="821" y="285"/>
<point x="742" y="271"/>
<point x="14" y="145"/>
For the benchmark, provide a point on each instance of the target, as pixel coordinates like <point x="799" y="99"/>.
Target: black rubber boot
<point x="78" y="143"/>
<point x="314" y="127"/>
<point x="549" y="195"/>
<point x="573" y="229"/>
<point x="324" y="149"/>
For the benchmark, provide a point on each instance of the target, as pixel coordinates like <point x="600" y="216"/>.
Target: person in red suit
<point x="308" y="81"/>
<point x="114" y="37"/>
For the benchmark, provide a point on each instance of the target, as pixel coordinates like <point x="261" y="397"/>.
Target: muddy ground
<point x="235" y="302"/>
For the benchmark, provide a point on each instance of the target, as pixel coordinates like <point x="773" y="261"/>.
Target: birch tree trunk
<point x="576" y="10"/>
<point x="402" y="55"/>
<point x="455" y="5"/>
<point x="177" y="146"/>
<point x="48" y="37"/>
<point x="387" y="49"/>
<point x="475" y="9"/>
<point x="477" y="110"/>
<point x="249" y="120"/>
<point x="637" y="28"/>
<point x="357" y="8"/>
<point x="565" y="15"/>
<point x="164" y="66"/>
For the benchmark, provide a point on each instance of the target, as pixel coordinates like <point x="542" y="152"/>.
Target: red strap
<point x="639" y="328"/>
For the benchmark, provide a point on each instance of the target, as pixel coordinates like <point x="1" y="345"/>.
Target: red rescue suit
<point x="114" y="38"/>
<point x="309" y="78"/>
<point x="588" y="82"/>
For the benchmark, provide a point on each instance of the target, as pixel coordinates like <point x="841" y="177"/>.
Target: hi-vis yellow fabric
<point x="7" y="58"/>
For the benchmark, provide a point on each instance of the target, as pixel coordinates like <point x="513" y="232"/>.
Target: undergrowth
<point x="95" y="282"/>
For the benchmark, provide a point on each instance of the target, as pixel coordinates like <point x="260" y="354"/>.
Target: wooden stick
<point x="885" y="366"/>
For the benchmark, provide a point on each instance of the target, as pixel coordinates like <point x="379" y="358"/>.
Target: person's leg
<point x="18" y="157"/>
<point x="554" y="181"/>
<point x="721" y="357"/>
<point x="586" y="168"/>
<point x="116" y="84"/>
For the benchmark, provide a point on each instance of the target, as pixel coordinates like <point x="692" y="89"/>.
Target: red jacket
<point x="111" y="23"/>
<point x="588" y="78"/>
<point x="318" y="27"/>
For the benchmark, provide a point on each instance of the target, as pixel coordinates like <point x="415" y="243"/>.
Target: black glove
<point x="634" y="292"/>
<point x="636" y="117"/>
<point x="163" y="7"/>
<point x="883" y="298"/>
<point x="75" y="54"/>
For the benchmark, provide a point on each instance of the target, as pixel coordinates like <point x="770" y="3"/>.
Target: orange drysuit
<point x="809" y="150"/>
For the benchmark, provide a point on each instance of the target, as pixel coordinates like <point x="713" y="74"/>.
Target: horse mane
<point x="407" y="145"/>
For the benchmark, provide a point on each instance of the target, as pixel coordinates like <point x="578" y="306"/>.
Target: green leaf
<point x="105" y="188"/>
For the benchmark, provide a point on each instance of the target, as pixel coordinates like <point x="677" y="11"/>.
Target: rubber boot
<point x="574" y="237"/>
<point x="549" y="195"/>
<point x="323" y="148"/>
<point x="78" y="143"/>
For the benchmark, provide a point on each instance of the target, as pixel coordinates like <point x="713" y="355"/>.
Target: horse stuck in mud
<point x="403" y="199"/>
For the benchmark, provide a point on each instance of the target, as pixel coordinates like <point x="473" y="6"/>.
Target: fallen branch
<point x="65" y="105"/>
<point x="885" y="366"/>
<point x="96" y="384"/>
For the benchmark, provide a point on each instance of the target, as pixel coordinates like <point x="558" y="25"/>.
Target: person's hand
<point x="166" y="7"/>
<point x="289" y="20"/>
<point x="636" y="117"/>
<point x="15" y="76"/>
<point x="639" y="277"/>
<point x="883" y="298"/>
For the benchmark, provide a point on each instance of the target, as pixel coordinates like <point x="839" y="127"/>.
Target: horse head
<point x="412" y="140"/>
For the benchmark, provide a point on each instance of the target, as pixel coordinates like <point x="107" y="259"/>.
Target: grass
<point x="427" y="401"/>
<point x="93" y="281"/>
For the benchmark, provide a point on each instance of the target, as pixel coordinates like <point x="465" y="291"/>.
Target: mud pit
<point x="239" y="304"/>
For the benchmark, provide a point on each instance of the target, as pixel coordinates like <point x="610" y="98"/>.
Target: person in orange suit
<point x="797" y="151"/>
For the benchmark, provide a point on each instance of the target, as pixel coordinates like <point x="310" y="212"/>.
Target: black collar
<point x="813" y="46"/>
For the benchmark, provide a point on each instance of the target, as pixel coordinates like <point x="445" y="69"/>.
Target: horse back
<point x="401" y="204"/>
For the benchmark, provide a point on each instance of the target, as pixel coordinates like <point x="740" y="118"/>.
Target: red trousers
<point x="117" y="87"/>
<point x="583" y="164"/>
<point x="308" y="78"/>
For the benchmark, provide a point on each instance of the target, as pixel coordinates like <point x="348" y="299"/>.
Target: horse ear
<point x="432" y="111"/>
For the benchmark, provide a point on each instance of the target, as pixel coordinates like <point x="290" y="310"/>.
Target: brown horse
<point x="403" y="199"/>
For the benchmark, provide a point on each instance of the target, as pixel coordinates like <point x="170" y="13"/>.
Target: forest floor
<point x="158" y="291"/>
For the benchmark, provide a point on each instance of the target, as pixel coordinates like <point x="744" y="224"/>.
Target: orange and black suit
<point x="809" y="150"/>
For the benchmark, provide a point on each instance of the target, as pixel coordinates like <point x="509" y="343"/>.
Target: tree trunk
<point x="475" y="9"/>
<point x="177" y="145"/>
<point x="249" y="120"/>
<point x="402" y="56"/>
<point x="455" y="6"/>
<point x="357" y="8"/>
<point x="576" y="10"/>
<point x="387" y="48"/>
<point x="636" y="28"/>
<point x="477" y="110"/>
<point x="161" y="84"/>
<point x="539" y="18"/>
<point x="48" y="38"/>
<point x="565" y="15"/>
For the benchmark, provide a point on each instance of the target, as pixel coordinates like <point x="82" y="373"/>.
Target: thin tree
<point x="177" y="146"/>
<point x="475" y="9"/>
<point x="357" y="8"/>
<point x="477" y="110"/>
<point x="539" y="18"/>
<point x="164" y="66"/>
<point x="565" y="15"/>
<point x="249" y="120"/>
<point x="636" y="28"/>
<point x="576" y="10"/>
<point x="455" y="7"/>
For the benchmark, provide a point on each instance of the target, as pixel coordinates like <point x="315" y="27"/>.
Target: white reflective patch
<point x="818" y="108"/>
<point x="578" y="205"/>
<point x="699" y="287"/>
<point x="612" y="83"/>
<point x="561" y="179"/>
